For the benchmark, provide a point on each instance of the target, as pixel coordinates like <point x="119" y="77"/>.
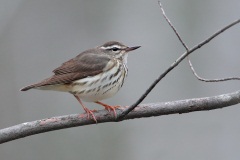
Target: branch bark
<point x="141" y="111"/>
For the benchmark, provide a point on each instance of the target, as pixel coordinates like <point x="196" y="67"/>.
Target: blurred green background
<point x="37" y="36"/>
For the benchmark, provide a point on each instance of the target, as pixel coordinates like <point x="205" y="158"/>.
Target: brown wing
<point x="88" y="63"/>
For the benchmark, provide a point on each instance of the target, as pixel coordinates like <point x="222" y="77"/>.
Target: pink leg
<point x="88" y="111"/>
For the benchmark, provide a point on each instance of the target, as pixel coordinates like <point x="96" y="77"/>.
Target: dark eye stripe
<point x="115" y="49"/>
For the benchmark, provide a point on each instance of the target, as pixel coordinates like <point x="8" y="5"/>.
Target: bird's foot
<point x="109" y="108"/>
<point x="90" y="114"/>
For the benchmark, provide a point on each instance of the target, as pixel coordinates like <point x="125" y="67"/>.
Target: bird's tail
<point x="56" y="82"/>
<point x="31" y="86"/>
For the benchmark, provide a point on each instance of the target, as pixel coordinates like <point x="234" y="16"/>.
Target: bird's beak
<point x="132" y="48"/>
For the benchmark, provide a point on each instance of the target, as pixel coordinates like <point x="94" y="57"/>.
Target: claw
<point x="90" y="112"/>
<point x="109" y="108"/>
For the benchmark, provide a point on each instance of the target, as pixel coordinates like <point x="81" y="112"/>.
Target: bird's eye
<point x="115" y="49"/>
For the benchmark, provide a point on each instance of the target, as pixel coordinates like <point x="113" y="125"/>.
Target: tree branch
<point x="134" y="111"/>
<point x="141" y="111"/>
<point x="182" y="57"/>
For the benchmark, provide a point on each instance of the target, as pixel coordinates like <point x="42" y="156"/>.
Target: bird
<point x="91" y="76"/>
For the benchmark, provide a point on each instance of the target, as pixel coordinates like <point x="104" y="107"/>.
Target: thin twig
<point x="210" y="80"/>
<point x="173" y="65"/>
<point x="173" y="28"/>
<point x="143" y="110"/>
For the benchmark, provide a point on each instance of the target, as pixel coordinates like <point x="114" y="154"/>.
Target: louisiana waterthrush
<point x="93" y="75"/>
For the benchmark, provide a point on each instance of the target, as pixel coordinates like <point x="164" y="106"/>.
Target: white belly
<point x="100" y="85"/>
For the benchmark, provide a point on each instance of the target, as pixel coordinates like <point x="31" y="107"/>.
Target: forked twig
<point x="173" y="65"/>
<point x="185" y="46"/>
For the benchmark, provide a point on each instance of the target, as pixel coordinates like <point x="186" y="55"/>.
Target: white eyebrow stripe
<point x="110" y="47"/>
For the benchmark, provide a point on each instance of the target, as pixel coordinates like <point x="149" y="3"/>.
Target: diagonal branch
<point x="143" y="110"/>
<point x="173" y="65"/>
